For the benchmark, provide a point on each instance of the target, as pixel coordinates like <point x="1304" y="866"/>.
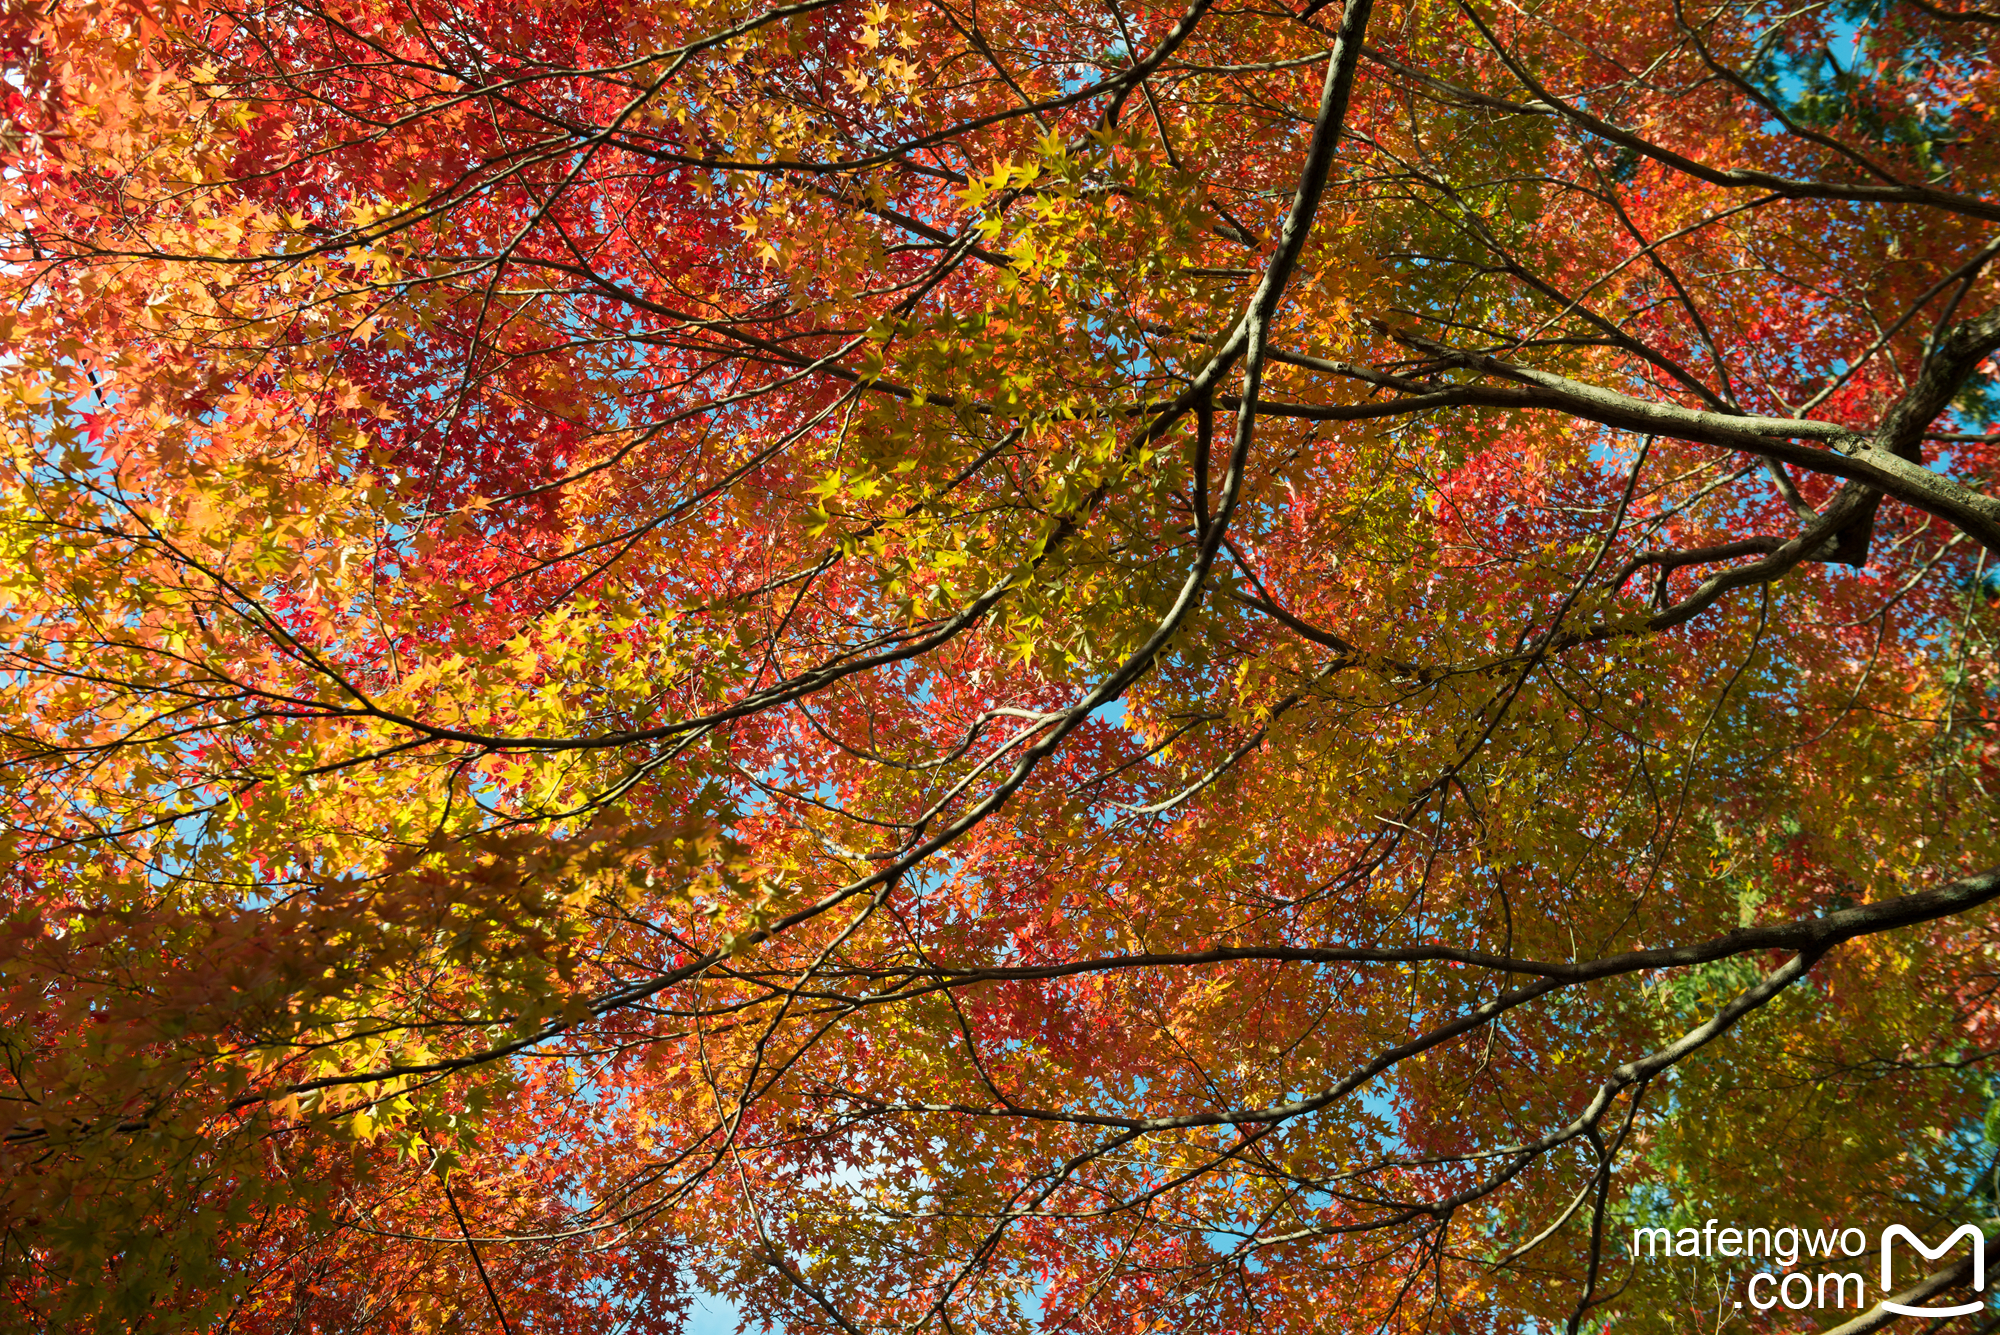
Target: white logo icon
<point x="1894" y="1231"/>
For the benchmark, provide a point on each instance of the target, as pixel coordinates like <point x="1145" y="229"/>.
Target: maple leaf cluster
<point x="944" y="667"/>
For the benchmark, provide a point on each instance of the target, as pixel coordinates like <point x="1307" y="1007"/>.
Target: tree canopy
<point x="988" y="665"/>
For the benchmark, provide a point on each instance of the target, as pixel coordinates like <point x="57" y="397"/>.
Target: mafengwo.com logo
<point x="1806" y="1261"/>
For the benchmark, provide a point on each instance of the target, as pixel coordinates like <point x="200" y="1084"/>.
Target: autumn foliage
<point x="945" y="667"/>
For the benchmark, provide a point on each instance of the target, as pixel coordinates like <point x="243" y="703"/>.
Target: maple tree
<point x="951" y="666"/>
